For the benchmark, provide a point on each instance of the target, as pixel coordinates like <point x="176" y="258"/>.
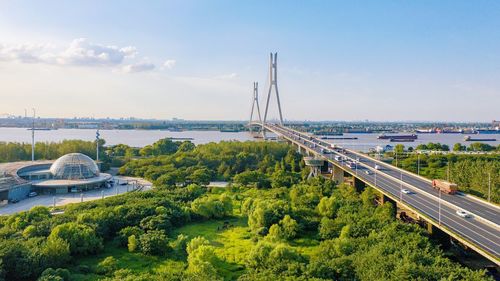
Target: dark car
<point x="14" y="201"/>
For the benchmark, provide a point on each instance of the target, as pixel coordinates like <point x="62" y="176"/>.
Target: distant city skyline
<point x="197" y="60"/>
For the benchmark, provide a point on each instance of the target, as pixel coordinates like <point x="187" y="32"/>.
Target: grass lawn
<point x="232" y="244"/>
<point x="136" y="262"/>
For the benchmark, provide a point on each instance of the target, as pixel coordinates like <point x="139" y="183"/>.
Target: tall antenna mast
<point x="33" y="137"/>
<point x="97" y="135"/>
<point x="273" y="80"/>
<point x="255" y="102"/>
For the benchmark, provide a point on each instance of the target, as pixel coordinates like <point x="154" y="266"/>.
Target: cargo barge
<point x="469" y="138"/>
<point x="397" y="137"/>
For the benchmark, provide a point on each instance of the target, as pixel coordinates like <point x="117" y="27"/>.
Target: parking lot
<point x="122" y="185"/>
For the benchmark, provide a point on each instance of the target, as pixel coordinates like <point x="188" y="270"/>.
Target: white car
<point x="377" y="167"/>
<point x="368" y="172"/>
<point x="463" y="214"/>
<point x="406" y="191"/>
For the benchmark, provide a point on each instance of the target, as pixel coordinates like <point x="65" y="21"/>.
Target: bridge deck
<point x="481" y="232"/>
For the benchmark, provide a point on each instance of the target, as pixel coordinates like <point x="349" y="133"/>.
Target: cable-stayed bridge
<point x="480" y="231"/>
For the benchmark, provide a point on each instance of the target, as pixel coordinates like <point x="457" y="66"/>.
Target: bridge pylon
<point x="273" y="83"/>
<point x="255" y="104"/>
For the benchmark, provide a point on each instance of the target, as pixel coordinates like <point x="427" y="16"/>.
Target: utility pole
<point x="33" y="137"/>
<point x="273" y="81"/>
<point x="439" y="208"/>
<point x="401" y="187"/>
<point x="97" y="135"/>
<point x="255" y="102"/>
<point x="418" y="163"/>
<point x="448" y="172"/>
<point x="489" y="186"/>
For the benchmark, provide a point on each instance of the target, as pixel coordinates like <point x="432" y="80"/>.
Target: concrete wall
<point x="19" y="192"/>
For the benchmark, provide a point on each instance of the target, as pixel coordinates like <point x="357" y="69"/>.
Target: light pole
<point x="401" y="187"/>
<point x="489" y="186"/>
<point x="418" y="163"/>
<point x="448" y="172"/>
<point x="439" y="210"/>
<point x="97" y="135"/>
<point x="375" y="177"/>
<point x="33" y="136"/>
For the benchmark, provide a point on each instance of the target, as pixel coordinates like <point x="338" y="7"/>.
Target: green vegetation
<point x="14" y="151"/>
<point x="283" y="228"/>
<point x="260" y="164"/>
<point x="472" y="172"/>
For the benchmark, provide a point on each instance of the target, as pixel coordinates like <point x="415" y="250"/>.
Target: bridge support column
<point x="385" y="199"/>
<point x="359" y="185"/>
<point x="338" y="174"/>
<point x="442" y="237"/>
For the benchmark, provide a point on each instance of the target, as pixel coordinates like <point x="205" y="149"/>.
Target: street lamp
<point x="401" y="187"/>
<point x="418" y="163"/>
<point x="439" y="208"/>
<point x="33" y="136"/>
<point x="489" y="186"/>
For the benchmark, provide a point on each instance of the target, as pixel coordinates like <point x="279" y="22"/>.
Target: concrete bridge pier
<point x="385" y="199"/>
<point x="337" y="174"/>
<point x="359" y="185"/>
<point x="439" y="235"/>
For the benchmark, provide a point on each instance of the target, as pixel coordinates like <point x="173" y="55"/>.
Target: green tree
<point x="289" y="227"/>
<point x="195" y="243"/>
<point x="133" y="244"/>
<point x="459" y="147"/>
<point x="154" y="243"/>
<point x="81" y="238"/>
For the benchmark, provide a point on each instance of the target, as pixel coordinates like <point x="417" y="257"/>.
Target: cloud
<point x="26" y="53"/>
<point x="138" y="67"/>
<point x="227" y="76"/>
<point x="169" y="64"/>
<point x="80" y="52"/>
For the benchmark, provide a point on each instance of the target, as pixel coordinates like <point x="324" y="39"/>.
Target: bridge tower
<point x="255" y="103"/>
<point x="273" y="81"/>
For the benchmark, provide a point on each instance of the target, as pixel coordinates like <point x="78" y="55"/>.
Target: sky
<point x="337" y="60"/>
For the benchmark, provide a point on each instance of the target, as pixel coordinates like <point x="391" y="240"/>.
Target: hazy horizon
<point x="384" y="61"/>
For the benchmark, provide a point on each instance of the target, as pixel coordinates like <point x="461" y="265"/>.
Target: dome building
<point x="74" y="172"/>
<point x="74" y="166"/>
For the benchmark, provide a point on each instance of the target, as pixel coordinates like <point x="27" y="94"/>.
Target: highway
<point x="481" y="231"/>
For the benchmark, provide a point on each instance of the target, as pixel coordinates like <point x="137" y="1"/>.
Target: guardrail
<point x="305" y="140"/>
<point x="432" y="196"/>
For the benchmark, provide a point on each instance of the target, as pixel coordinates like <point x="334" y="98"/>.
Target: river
<point x="139" y="138"/>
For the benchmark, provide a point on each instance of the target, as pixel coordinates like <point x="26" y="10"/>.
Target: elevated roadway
<point x="480" y="232"/>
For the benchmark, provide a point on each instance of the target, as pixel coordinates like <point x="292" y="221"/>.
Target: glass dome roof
<point x="74" y="166"/>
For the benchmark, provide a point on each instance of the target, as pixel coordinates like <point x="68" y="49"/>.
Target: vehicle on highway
<point x="406" y="191"/>
<point x="368" y="172"/>
<point x="32" y="194"/>
<point x="377" y="167"/>
<point x="337" y="158"/>
<point x="463" y="214"/>
<point x="14" y="201"/>
<point x="124" y="183"/>
<point x="445" y="186"/>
